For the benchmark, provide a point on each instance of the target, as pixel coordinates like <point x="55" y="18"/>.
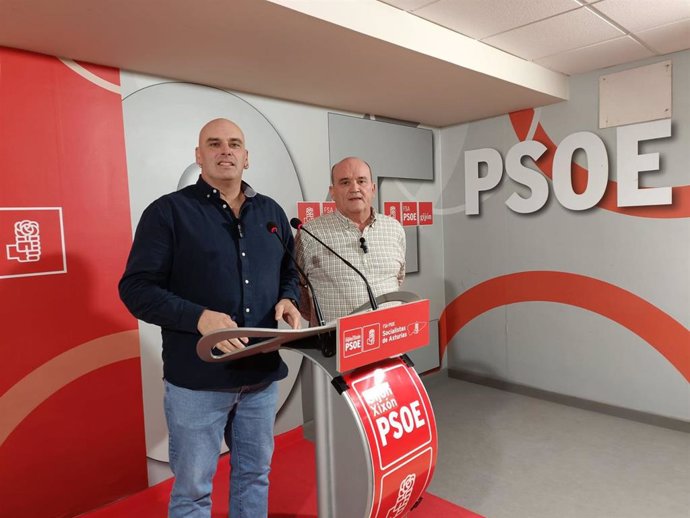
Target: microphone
<point x="363" y="245"/>
<point x="273" y="229"/>
<point x="297" y="224"/>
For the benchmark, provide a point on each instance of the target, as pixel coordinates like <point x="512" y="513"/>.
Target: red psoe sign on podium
<point x="396" y="415"/>
<point x="366" y="338"/>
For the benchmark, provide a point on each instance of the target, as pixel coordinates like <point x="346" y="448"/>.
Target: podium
<point x="376" y="441"/>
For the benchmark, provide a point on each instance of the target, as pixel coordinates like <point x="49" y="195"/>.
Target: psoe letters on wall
<point x="630" y="164"/>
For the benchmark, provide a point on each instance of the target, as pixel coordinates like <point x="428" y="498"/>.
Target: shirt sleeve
<point x="144" y="284"/>
<point x="305" y="307"/>
<point x="289" y="276"/>
<point x="403" y="248"/>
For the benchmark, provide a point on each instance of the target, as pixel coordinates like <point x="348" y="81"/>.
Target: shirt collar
<point x="207" y="191"/>
<point x="348" y="222"/>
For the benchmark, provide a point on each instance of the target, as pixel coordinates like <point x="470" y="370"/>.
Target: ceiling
<point x="436" y="62"/>
<point x="568" y="36"/>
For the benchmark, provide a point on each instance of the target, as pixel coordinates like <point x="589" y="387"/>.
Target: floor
<point x="505" y="455"/>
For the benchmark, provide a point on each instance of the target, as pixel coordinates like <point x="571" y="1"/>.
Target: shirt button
<point x="208" y="195"/>
<point x="225" y="206"/>
<point x="214" y="191"/>
<point x="243" y="254"/>
<point x="246" y="310"/>
<point x="246" y="281"/>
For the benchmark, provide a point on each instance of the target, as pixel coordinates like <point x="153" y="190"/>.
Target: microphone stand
<point x="326" y="348"/>
<point x="297" y="224"/>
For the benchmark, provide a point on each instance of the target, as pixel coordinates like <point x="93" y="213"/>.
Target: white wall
<point x="561" y="347"/>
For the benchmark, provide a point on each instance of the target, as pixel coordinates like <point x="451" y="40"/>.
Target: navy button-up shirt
<point x="190" y="253"/>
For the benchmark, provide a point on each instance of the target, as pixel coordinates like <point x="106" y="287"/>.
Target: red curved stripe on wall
<point x="660" y="330"/>
<point x="680" y="207"/>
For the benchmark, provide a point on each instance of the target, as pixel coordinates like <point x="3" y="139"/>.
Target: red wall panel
<point x="71" y="417"/>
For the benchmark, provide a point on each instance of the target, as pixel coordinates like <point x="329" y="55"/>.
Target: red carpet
<point x="292" y="495"/>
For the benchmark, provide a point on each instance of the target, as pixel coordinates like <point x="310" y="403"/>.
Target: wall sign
<point x="484" y="171"/>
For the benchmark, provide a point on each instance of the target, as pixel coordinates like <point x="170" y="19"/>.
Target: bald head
<point x="351" y="162"/>
<point x="221" y="153"/>
<point x="352" y="189"/>
<point x="219" y="125"/>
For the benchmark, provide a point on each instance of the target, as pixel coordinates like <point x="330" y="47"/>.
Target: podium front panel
<point x="395" y="412"/>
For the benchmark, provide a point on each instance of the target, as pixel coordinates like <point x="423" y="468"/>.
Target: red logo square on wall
<point x="409" y="213"/>
<point x="426" y="213"/>
<point x="327" y="207"/>
<point x="31" y="242"/>
<point x="307" y="210"/>
<point x="392" y="209"/>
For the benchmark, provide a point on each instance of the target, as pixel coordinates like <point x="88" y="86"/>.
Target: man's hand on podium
<point x="213" y="321"/>
<point x="288" y="311"/>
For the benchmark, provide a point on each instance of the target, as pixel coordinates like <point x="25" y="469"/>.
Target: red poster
<point x="396" y="414"/>
<point x="409" y="213"/>
<point x="71" y="424"/>
<point x="392" y="209"/>
<point x="307" y="210"/>
<point x="426" y="213"/>
<point x="369" y="337"/>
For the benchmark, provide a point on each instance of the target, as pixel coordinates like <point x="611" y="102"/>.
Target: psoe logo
<point x="409" y="213"/>
<point x="404" y="494"/>
<point x="27" y="242"/>
<point x="352" y="342"/>
<point x="415" y="328"/>
<point x="31" y="241"/>
<point x="308" y="210"/>
<point x="392" y="209"/>
<point x="372" y="337"/>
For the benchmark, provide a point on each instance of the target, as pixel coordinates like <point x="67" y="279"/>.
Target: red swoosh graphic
<point x="680" y="195"/>
<point x="661" y="331"/>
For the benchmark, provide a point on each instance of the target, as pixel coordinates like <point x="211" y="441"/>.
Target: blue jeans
<point x="197" y="422"/>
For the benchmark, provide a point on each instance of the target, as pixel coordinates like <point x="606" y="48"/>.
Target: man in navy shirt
<point x="202" y="260"/>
